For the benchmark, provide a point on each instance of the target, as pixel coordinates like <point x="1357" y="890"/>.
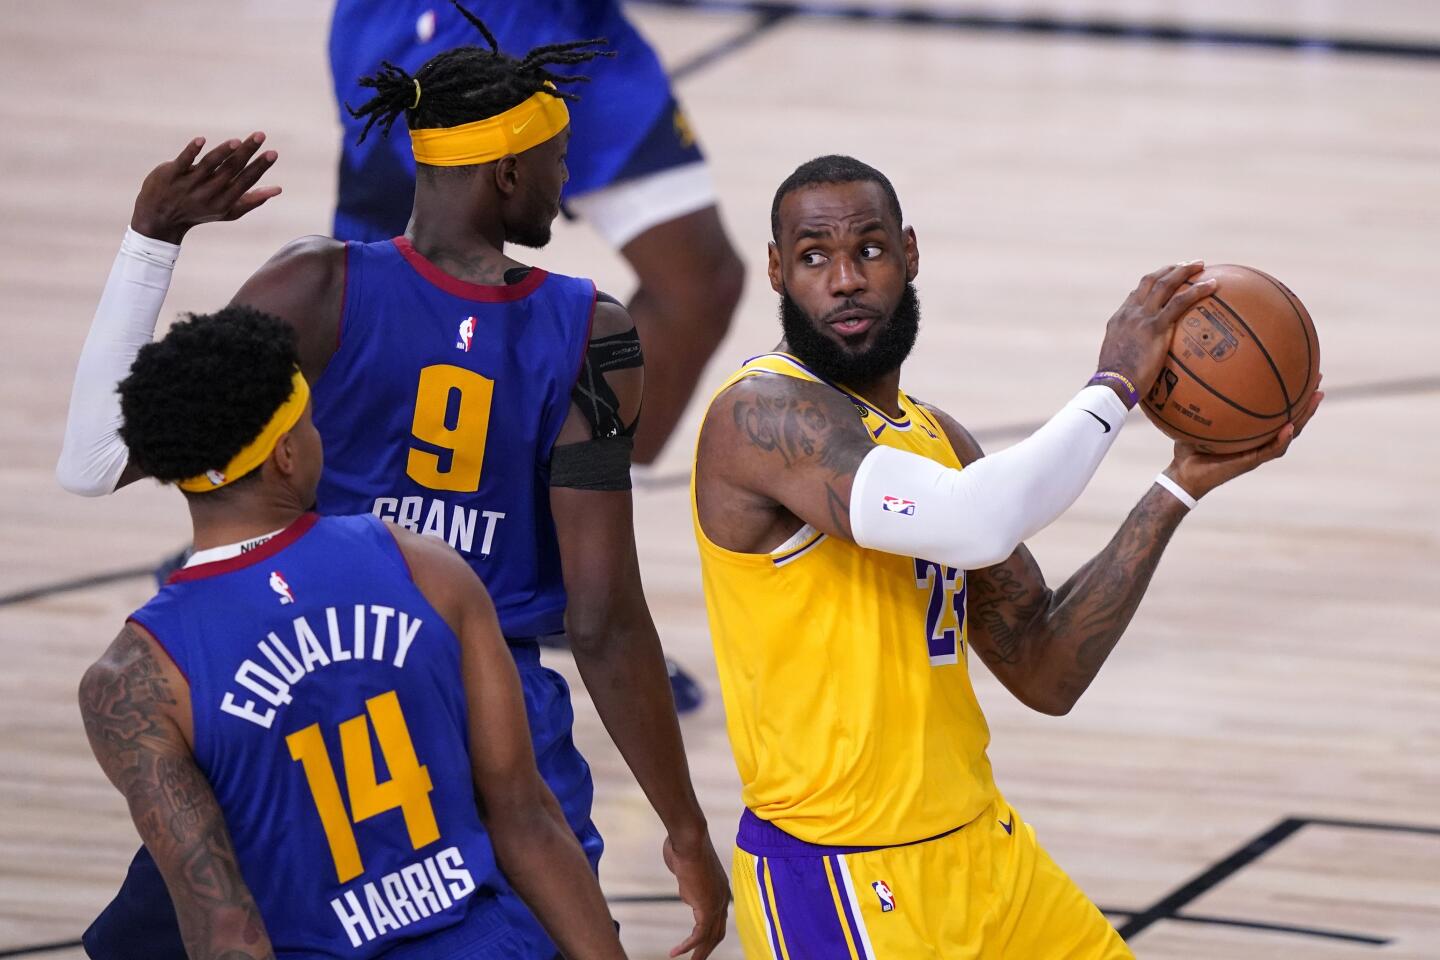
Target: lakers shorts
<point x="985" y="891"/>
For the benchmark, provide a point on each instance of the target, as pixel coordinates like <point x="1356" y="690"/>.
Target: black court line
<point x="1098" y="28"/>
<point x="765" y="21"/>
<point x="1170" y="904"/>
<point x="1168" y="907"/>
<point x="79" y="583"/>
<point x="40" y="948"/>
<point x="1364" y="938"/>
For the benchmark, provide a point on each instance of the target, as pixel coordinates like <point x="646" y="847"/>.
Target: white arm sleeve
<point x="907" y="504"/>
<point x="93" y="456"/>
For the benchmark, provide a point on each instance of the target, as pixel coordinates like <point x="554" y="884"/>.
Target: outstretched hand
<point x="180" y="193"/>
<point x="1199" y="473"/>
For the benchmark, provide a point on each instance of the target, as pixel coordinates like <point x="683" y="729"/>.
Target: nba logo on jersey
<point x="467" y="333"/>
<point x="897" y="505"/>
<point x="887" y="898"/>
<point x="278" y="584"/>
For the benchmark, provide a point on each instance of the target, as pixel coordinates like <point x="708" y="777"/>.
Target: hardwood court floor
<point x="1285" y="664"/>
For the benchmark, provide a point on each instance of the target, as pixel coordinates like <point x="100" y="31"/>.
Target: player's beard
<point x="533" y="237"/>
<point x="832" y="361"/>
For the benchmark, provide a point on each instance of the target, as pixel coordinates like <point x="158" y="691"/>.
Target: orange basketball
<point x="1242" y="364"/>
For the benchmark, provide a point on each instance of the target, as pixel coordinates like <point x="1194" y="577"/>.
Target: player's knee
<point x="720" y="296"/>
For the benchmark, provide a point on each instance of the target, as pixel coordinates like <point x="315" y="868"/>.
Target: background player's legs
<point x="690" y="282"/>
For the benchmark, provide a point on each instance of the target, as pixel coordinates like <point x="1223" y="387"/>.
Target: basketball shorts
<point x="140" y="924"/>
<point x="986" y="891"/>
<point x="628" y="133"/>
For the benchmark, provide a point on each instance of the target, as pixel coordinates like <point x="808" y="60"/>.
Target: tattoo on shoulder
<point x="169" y="797"/>
<point x="797" y="428"/>
<point x="122" y="707"/>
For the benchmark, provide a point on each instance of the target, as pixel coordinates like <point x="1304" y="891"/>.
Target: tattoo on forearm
<point x="170" y="800"/>
<point x="1066" y="635"/>
<point x="1003" y="606"/>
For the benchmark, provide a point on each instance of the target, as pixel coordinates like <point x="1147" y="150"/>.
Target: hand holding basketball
<point x="1198" y="473"/>
<point x="1138" y="335"/>
<point x="180" y="193"/>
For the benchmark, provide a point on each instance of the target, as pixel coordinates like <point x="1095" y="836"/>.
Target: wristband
<point x="1112" y="376"/>
<point x="1179" y="491"/>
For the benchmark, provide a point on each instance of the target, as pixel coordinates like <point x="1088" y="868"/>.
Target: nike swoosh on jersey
<point x="1097" y="416"/>
<point x="1009" y="827"/>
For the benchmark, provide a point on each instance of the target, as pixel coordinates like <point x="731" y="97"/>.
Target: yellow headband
<point x="525" y="125"/>
<point x="257" y="450"/>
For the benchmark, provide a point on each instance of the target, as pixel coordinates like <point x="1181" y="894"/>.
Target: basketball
<point x="1243" y="363"/>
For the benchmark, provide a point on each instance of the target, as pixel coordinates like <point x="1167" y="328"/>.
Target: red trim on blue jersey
<point x="267" y="549"/>
<point x="484" y="293"/>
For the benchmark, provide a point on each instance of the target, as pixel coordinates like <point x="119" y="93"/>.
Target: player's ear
<point x="912" y="255"/>
<point x="507" y="175"/>
<point x="286" y="456"/>
<point x="777" y="280"/>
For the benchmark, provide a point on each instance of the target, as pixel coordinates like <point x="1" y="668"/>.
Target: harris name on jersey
<point x="366" y="631"/>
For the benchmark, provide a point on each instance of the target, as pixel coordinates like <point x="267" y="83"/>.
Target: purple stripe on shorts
<point x="840" y="886"/>
<point x="765" y="904"/>
<point x="805" y="910"/>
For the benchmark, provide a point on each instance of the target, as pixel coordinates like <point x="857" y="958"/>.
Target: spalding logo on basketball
<point x="1243" y="363"/>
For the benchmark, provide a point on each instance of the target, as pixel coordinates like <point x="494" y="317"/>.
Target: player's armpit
<point x="130" y="701"/>
<point x="304" y="285"/>
<point x="771" y="441"/>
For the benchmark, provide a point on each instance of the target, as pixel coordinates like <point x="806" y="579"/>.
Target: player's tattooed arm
<point x="774" y="448"/>
<point x="1047" y="645"/>
<point x="130" y="701"/>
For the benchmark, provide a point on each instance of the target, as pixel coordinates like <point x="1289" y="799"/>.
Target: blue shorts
<point x="626" y="124"/>
<point x="140" y="924"/>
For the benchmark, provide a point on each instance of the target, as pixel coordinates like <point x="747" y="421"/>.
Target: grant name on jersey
<point x="450" y="522"/>
<point x="370" y="632"/>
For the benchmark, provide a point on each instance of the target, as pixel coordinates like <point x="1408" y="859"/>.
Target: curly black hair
<point x="833" y="168"/>
<point x="468" y="83"/>
<point x="195" y="398"/>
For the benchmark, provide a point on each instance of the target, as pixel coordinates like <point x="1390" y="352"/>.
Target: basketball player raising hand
<point x="444" y="375"/>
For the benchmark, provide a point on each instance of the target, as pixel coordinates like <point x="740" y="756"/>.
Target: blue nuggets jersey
<point x="439" y="411"/>
<point x="331" y="724"/>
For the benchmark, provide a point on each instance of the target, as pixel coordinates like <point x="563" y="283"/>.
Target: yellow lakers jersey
<point x="843" y="670"/>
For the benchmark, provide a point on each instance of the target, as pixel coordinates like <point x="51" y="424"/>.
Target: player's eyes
<point x="870" y="251"/>
<point x="812" y="258"/>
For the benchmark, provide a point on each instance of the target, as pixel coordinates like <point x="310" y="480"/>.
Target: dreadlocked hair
<point x="469" y="83"/>
<point x="196" y="397"/>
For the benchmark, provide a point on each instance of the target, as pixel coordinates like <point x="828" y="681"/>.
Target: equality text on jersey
<point x="362" y="632"/>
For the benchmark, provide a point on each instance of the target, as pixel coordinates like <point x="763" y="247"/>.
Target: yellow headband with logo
<point x="525" y="125"/>
<point x="257" y="450"/>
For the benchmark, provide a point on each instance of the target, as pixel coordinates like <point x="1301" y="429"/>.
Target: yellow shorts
<point x="986" y="891"/>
